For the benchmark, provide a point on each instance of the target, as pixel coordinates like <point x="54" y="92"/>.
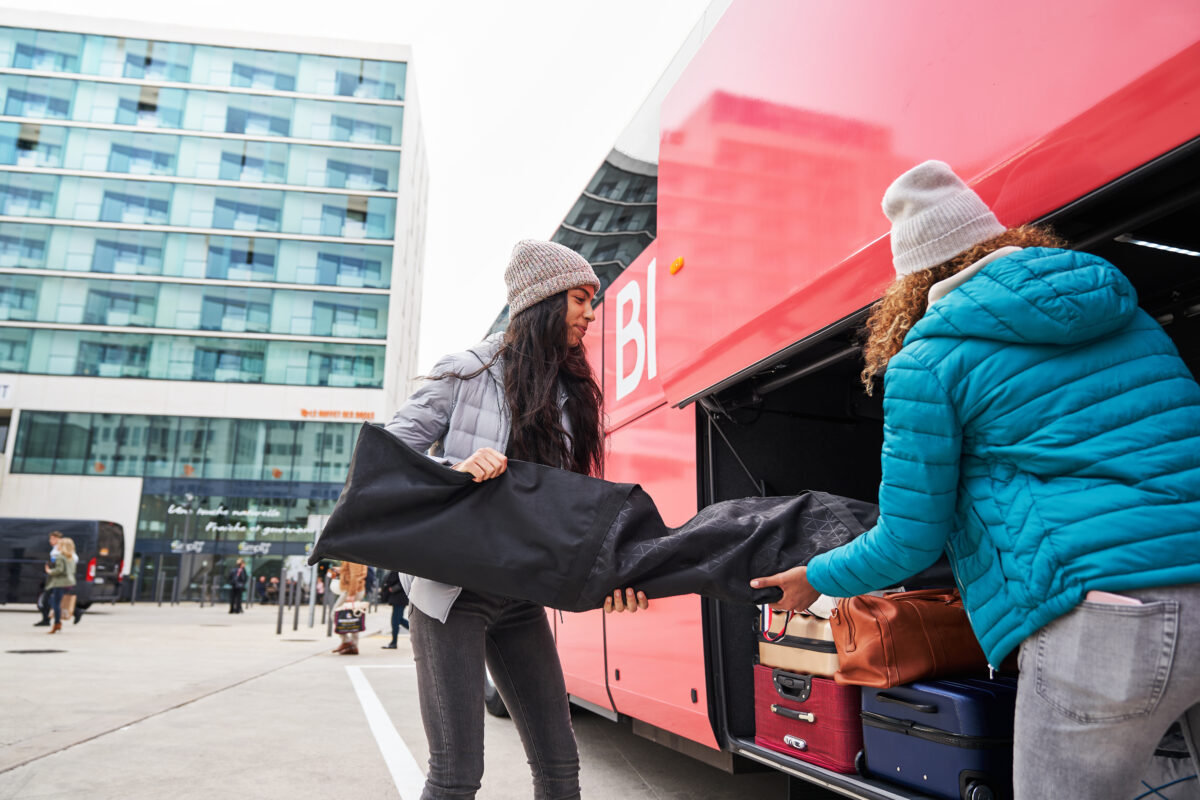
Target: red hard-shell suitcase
<point x="808" y="717"/>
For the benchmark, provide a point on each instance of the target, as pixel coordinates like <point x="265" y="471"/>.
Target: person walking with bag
<point x="1043" y="431"/>
<point x="393" y="594"/>
<point x="238" y="578"/>
<point x="529" y="394"/>
<point x="60" y="575"/>
<point x="352" y="583"/>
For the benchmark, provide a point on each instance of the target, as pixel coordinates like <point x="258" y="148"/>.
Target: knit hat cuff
<point x="547" y="287"/>
<point x="966" y="221"/>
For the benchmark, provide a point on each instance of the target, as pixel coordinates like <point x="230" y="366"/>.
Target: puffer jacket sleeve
<point x="922" y="444"/>
<point x="425" y="416"/>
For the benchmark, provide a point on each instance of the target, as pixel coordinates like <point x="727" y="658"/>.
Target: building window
<point x="232" y="366"/>
<point x="139" y="160"/>
<point x="28" y="56"/>
<point x="104" y="360"/>
<point x="131" y="208"/>
<point x="347" y="271"/>
<point x="21" y="251"/>
<point x="350" y="84"/>
<point x="332" y="319"/>
<point x="105" y="307"/>
<point x="126" y="258"/>
<point x="337" y="370"/>
<point x="155" y="68"/>
<point x="247" y="76"/>
<point x="17" y="302"/>
<point x="30" y="150"/>
<point x="245" y="216"/>
<point x="347" y="129"/>
<point x="19" y="201"/>
<point x="343" y="175"/>
<point x="239" y="120"/>
<point x="241" y="167"/>
<point x="31" y="104"/>
<point x="240" y="263"/>
<point x="225" y="314"/>
<point x="147" y="112"/>
<point x="14" y="350"/>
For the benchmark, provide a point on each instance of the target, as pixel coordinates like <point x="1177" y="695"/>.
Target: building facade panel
<point x="210" y="256"/>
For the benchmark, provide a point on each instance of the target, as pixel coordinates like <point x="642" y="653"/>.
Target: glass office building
<point x="210" y="270"/>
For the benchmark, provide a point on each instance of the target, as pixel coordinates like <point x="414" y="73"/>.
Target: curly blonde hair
<point x="905" y="300"/>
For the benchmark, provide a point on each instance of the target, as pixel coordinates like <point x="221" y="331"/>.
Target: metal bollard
<point x="158" y="590"/>
<point x="312" y="594"/>
<point x="296" y="596"/>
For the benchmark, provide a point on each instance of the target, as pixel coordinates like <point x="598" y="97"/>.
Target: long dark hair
<point x="537" y="360"/>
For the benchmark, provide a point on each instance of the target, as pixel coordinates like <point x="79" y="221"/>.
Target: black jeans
<point x="514" y="639"/>
<point x="235" y="600"/>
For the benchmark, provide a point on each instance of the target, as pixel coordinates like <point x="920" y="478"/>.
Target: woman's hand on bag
<point x="798" y="593"/>
<point x="620" y="601"/>
<point x="484" y="464"/>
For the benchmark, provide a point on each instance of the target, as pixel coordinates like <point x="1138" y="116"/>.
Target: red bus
<point x="728" y="348"/>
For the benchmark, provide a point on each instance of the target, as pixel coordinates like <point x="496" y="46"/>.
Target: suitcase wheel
<point x="974" y="789"/>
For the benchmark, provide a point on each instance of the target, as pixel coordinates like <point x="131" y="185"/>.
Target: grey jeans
<point x="514" y="639"/>
<point x="1099" y="687"/>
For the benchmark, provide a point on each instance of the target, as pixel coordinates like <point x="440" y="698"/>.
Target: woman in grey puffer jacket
<point x="528" y="393"/>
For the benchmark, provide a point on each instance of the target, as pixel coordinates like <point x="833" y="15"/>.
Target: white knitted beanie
<point x="538" y="270"/>
<point x="935" y="216"/>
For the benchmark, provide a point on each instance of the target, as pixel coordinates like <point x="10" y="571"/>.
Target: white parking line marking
<point x="406" y="774"/>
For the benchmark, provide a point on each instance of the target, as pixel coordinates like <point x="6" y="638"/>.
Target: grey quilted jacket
<point x="451" y="419"/>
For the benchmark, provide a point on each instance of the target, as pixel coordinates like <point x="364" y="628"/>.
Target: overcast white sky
<point x="520" y="102"/>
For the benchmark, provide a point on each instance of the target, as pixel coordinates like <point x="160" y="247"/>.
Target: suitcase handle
<point x="924" y="708"/>
<point x="770" y="637"/>
<point x="792" y="686"/>
<point x="791" y="713"/>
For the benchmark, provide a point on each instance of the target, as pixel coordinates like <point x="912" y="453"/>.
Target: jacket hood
<point x="1035" y="296"/>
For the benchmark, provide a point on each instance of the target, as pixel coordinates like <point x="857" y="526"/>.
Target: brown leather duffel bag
<point x="904" y="637"/>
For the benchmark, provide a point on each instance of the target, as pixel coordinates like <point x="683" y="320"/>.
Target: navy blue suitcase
<point x="951" y="739"/>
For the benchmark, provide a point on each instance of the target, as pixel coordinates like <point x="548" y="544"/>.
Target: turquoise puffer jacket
<point x="1042" y="430"/>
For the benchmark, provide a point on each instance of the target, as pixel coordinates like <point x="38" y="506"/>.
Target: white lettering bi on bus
<point x="635" y="337"/>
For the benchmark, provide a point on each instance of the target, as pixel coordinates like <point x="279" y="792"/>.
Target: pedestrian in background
<point x="352" y="581"/>
<point x="59" y="576"/>
<point x="237" y="584"/>
<point x="1043" y="432"/>
<point x="527" y="393"/>
<point x="260" y="589"/>
<point x="69" y="598"/>
<point x="394" y="595"/>
<point x="43" y="601"/>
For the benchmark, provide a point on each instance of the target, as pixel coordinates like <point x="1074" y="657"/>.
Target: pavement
<point x="186" y="702"/>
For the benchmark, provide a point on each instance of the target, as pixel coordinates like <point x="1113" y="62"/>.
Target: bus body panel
<point x="779" y="138"/>
<point x="580" y="641"/>
<point x="658" y="654"/>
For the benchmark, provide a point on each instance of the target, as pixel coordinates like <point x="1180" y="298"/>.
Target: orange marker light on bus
<point x="676" y="265"/>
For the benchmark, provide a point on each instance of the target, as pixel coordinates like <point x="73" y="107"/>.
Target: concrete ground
<point x="187" y="702"/>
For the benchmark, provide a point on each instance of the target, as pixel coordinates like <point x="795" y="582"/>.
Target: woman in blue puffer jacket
<point x="1043" y="432"/>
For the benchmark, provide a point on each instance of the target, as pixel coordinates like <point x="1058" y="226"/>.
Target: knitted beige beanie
<point x="538" y="270"/>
